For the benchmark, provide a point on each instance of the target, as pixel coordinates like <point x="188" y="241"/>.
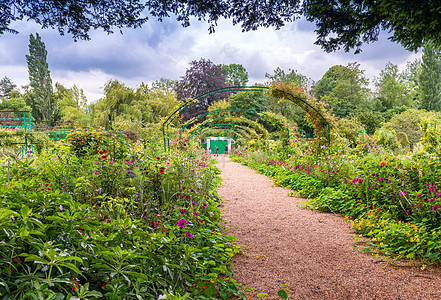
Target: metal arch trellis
<point x="221" y="111"/>
<point x="250" y="122"/>
<point x="25" y="123"/>
<point x="222" y="125"/>
<point x="169" y="119"/>
<point x="166" y="123"/>
<point x="238" y="131"/>
<point x="225" y="127"/>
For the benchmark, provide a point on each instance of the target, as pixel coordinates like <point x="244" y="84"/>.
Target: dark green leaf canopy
<point x="339" y="24"/>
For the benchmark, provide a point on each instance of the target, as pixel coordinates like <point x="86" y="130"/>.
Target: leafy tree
<point x="349" y="24"/>
<point x="370" y="120"/>
<point x="73" y="104"/>
<point x="408" y="126"/>
<point x="286" y="108"/>
<point x="253" y="100"/>
<point x="430" y="78"/>
<point x="40" y="99"/>
<point x="157" y="101"/>
<point x="291" y="76"/>
<point x="15" y="102"/>
<point x="394" y="88"/>
<point x="344" y="89"/>
<point x="353" y="22"/>
<point x="235" y="74"/>
<point x="202" y="77"/>
<point x="6" y="87"/>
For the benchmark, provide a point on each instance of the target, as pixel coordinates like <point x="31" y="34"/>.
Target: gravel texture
<point x="311" y="252"/>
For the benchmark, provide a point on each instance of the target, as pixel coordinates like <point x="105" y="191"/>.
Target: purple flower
<point x="183" y="211"/>
<point x="138" y="195"/>
<point x="182" y="223"/>
<point x="187" y="197"/>
<point x="192" y="190"/>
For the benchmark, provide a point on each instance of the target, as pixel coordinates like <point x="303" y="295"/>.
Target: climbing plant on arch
<point x="316" y="113"/>
<point x="235" y="120"/>
<point x="241" y="130"/>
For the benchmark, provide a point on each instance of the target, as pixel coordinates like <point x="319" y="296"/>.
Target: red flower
<point x="161" y="170"/>
<point x="158" y="158"/>
<point x="205" y="287"/>
<point x="96" y="152"/>
<point x="104" y="151"/>
<point x="383" y="163"/>
<point x="101" y="152"/>
<point x="104" y="156"/>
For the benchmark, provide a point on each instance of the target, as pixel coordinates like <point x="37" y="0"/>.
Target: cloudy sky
<point x="164" y="49"/>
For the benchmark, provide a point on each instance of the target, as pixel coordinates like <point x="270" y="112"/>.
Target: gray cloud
<point x="164" y="49"/>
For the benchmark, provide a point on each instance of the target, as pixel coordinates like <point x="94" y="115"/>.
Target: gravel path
<point x="312" y="252"/>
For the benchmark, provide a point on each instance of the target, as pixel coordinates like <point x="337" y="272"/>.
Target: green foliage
<point x="40" y="100"/>
<point x="316" y="116"/>
<point x="430" y="78"/>
<point x="355" y="23"/>
<point x="292" y="76"/>
<point x="235" y="74"/>
<point x="6" y="87"/>
<point x="408" y="127"/>
<point x="352" y="130"/>
<point x="343" y="89"/>
<point x="394" y="87"/>
<point x="139" y="224"/>
<point x="371" y="121"/>
<point x="73" y="105"/>
<point x="386" y="138"/>
<point x="253" y="100"/>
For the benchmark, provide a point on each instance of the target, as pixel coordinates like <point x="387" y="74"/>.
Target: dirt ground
<point x="308" y="252"/>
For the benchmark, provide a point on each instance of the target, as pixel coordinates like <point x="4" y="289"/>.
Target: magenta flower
<point x="435" y="207"/>
<point x="188" y="234"/>
<point x="402" y="194"/>
<point x="182" y="223"/>
<point x="346" y="182"/>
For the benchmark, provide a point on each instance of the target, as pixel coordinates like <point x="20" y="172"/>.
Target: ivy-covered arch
<point x="251" y="131"/>
<point x="235" y="120"/>
<point x="316" y="113"/>
<point x="241" y="130"/>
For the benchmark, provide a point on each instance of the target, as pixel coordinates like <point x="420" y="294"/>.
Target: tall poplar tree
<point x="44" y="106"/>
<point x="430" y="78"/>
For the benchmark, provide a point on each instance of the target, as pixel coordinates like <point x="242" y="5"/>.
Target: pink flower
<point x="182" y="223"/>
<point x="435" y="207"/>
<point x="402" y="194"/>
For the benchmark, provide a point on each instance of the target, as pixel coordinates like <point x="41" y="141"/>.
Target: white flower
<point x="162" y="297"/>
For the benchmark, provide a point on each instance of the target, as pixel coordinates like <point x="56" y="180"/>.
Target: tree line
<point x="345" y="90"/>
